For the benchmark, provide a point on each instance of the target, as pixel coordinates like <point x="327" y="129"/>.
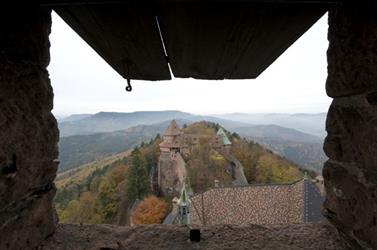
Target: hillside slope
<point x="80" y="149"/>
<point x="301" y="148"/>
<point x="306" y="154"/>
<point x="78" y="175"/>
<point x="278" y="133"/>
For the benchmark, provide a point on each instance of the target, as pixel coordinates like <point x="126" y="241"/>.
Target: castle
<point x="175" y="140"/>
<point x="175" y="147"/>
<point x="238" y="203"/>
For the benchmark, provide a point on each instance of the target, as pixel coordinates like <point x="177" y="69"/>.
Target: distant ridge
<point x="277" y="132"/>
<point x="312" y="123"/>
<point x="74" y="117"/>
<point x="113" y="121"/>
<point x="86" y="137"/>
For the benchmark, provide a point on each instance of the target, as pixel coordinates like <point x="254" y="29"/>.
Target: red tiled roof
<point x="173" y="129"/>
<point x="255" y="204"/>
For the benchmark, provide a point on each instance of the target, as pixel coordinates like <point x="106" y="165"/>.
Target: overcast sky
<point x="84" y="83"/>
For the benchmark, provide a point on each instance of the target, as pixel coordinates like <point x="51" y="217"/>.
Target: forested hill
<point x="260" y="164"/>
<point x="80" y="149"/>
<point x="303" y="149"/>
<point x="106" y="192"/>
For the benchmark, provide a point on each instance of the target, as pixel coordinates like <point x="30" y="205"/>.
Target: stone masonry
<point x="351" y="172"/>
<point x="28" y="130"/>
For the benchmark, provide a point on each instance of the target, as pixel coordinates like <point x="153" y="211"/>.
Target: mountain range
<point x="86" y="137"/>
<point x="308" y="123"/>
<point x="112" y="121"/>
<point x="77" y="124"/>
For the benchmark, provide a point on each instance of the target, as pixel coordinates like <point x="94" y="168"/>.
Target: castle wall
<point x="351" y="144"/>
<point x="172" y="173"/>
<point x="168" y="177"/>
<point x="180" y="167"/>
<point x="28" y="130"/>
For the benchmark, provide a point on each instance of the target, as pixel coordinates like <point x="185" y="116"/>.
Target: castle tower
<point x="224" y="139"/>
<point x="171" y="138"/>
<point x="184" y="204"/>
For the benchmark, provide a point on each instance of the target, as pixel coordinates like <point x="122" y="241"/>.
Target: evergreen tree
<point x="137" y="179"/>
<point x="107" y="203"/>
<point x="235" y="135"/>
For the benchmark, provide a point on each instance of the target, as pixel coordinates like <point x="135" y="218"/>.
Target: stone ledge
<point x="296" y="236"/>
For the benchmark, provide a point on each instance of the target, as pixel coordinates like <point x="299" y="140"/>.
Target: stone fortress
<point x="175" y="140"/>
<point x="176" y="147"/>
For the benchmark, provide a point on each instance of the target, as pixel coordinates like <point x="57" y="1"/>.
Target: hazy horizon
<point x="209" y="114"/>
<point x="84" y="83"/>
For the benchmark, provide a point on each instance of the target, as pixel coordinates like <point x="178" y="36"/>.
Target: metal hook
<point x="129" y="87"/>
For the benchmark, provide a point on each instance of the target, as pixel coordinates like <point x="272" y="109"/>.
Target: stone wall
<point x="28" y="130"/>
<point x="351" y="145"/>
<point x="308" y="236"/>
<point x="168" y="175"/>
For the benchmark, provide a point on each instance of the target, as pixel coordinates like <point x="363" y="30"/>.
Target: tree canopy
<point x="151" y="210"/>
<point x="137" y="178"/>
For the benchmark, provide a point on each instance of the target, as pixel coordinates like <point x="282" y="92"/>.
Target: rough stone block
<point x="351" y="202"/>
<point x="351" y="172"/>
<point x="28" y="131"/>
<point x="24" y="224"/>
<point x="352" y="52"/>
<point x="352" y="132"/>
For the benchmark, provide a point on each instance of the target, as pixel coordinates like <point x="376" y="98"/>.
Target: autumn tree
<point x="80" y="211"/>
<point x="263" y="166"/>
<point x="137" y="178"/>
<point x="118" y="172"/>
<point x="205" y="166"/>
<point x="151" y="210"/>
